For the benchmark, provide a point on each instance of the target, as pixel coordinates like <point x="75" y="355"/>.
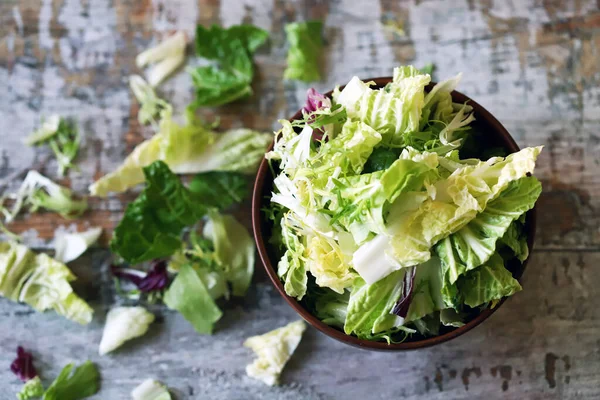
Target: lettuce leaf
<point x="123" y="324"/>
<point x="41" y="282"/>
<point x="291" y="268"/>
<point x="152" y="223"/>
<point x="189" y="295"/>
<point x="69" y="246"/>
<point x="370" y="305"/>
<point x="150" y="390"/>
<point x="83" y="382"/>
<point x="233" y="249"/>
<point x="331" y="307"/>
<point x="189" y="148"/>
<point x="516" y="239"/>
<point x="63" y="138"/>
<point x="231" y="49"/>
<point x="491" y="281"/>
<point x="273" y="349"/>
<point x="304" y="52"/>
<point x="32" y="389"/>
<point x="167" y="57"/>
<point x="474" y="244"/>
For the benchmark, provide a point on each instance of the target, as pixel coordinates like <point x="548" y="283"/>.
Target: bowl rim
<point x="257" y="219"/>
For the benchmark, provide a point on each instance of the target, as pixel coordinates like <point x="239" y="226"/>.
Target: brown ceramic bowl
<point x="495" y="136"/>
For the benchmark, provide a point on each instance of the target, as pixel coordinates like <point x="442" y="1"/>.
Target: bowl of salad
<point x="395" y="213"/>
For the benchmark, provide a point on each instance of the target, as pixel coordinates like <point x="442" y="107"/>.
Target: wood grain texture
<point x="534" y="64"/>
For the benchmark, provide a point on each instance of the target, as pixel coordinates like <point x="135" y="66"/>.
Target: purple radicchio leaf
<point x="155" y="279"/>
<point x="408" y="284"/>
<point x="315" y="101"/>
<point x="22" y="366"/>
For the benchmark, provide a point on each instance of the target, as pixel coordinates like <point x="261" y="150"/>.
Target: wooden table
<point x="534" y="64"/>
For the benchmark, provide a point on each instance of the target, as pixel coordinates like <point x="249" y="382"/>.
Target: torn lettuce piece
<point x="370" y="305"/>
<point x="304" y="52"/>
<point x="82" y="382"/>
<point x="150" y="390"/>
<point x="231" y="50"/>
<point x="516" y="239"/>
<point x="37" y="191"/>
<point x="63" y="138"/>
<point x="152" y="224"/>
<point x="189" y="148"/>
<point x="233" y="249"/>
<point x="427" y="295"/>
<point x="489" y="282"/>
<point x="331" y="307"/>
<point x="188" y="295"/>
<point x="32" y="389"/>
<point x="291" y="267"/>
<point x="167" y="56"/>
<point x="473" y="245"/>
<point x="273" y="350"/>
<point x="150" y="104"/>
<point x="458" y="199"/>
<point x="41" y="282"/>
<point x="123" y="324"/>
<point x="69" y="246"/>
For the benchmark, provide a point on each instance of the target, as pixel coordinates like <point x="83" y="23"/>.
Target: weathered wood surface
<point x="534" y="64"/>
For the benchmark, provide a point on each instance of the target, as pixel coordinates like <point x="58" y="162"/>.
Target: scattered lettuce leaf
<point x="41" y="282"/>
<point x="152" y="224"/>
<point x="167" y="56"/>
<point x="69" y="246"/>
<point x="189" y="148"/>
<point x="150" y="390"/>
<point x="63" y="138"/>
<point x="74" y="384"/>
<point x="231" y="50"/>
<point x="150" y="104"/>
<point x="233" y="248"/>
<point x="32" y="389"/>
<point x="491" y="281"/>
<point x="189" y="295"/>
<point x="273" y="349"/>
<point x="304" y="52"/>
<point x="37" y="191"/>
<point x="123" y="324"/>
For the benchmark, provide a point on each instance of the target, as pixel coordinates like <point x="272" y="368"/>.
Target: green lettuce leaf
<point x="231" y="49"/>
<point x="486" y="283"/>
<point x="273" y="350"/>
<point x="233" y="249"/>
<point x="150" y="390"/>
<point x="123" y="324"/>
<point x="69" y="246"/>
<point x="167" y="56"/>
<point x="150" y="104"/>
<point x="516" y="239"/>
<point x="189" y="148"/>
<point x="83" y="382"/>
<point x="370" y="305"/>
<point x="457" y="201"/>
<point x="291" y="268"/>
<point x="152" y="223"/>
<point x="427" y="296"/>
<point x="331" y="307"/>
<point x="473" y="245"/>
<point x="32" y="389"/>
<point x="189" y="295"/>
<point x="304" y="52"/>
<point x="41" y="282"/>
<point x="391" y="112"/>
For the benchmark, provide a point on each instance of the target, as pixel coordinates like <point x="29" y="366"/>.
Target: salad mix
<point x="385" y="227"/>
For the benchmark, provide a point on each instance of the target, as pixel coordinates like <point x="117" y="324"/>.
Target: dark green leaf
<point x="82" y="383"/>
<point x="381" y="159"/>
<point x="220" y="189"/>
<point x="305" y="50"/>
<point x="428" y="69"/>
<point x="231" y="49"/>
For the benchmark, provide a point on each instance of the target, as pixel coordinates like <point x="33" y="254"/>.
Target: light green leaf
<point x="304" y="51"/>
<point x="189" y="295"/>
<point x="123" y="324"/>
<point x="150" y="390"/>
<point x="69" y="246"/>
<point x="291" y="268"/>
<point x="32" y="389"/>
<point x="273" y="350"/>
<point x="516" y="239"/>
<point x="234" y="250"/>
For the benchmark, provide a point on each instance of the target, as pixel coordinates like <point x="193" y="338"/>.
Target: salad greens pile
<point x="385" y="229"/>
